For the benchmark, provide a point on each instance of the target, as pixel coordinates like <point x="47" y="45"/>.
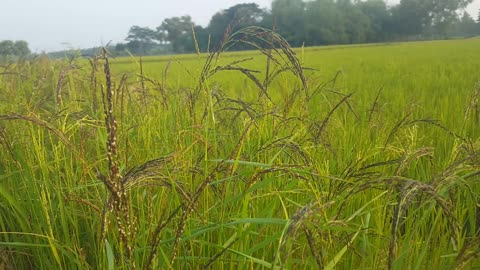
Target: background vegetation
<point x="310" y="23"/>
<point x="13" y="49"/>
<point x="301" y="23"/>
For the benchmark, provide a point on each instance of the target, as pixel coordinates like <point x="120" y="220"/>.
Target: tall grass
<point x="344" y="158"/>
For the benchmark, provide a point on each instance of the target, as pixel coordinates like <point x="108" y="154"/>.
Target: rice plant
<point x="276" y="158"/>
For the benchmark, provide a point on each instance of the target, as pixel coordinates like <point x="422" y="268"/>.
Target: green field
<point x="365" y="158"/>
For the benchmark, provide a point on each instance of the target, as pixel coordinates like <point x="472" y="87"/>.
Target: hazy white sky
<point x="60" y="24"/>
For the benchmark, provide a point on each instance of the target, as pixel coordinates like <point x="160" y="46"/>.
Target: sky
<point x="51" y="25"/>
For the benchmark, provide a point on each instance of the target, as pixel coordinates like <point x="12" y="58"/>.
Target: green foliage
<point x="466" y="26"/>
<point x="379" y="17"/>
<point x="143" y="34"/>
<point x="233" y="19"/>
<point x="324" y="24"/>
<point x="288" y="18"/>
<point x="478" y="23"/>
<point x="316" y="22"/>
<point x="17" y="48"/>
<point x="329" y="22"/>
<point x="141" y="39"/>
<point x="368" y="159"/>
<point x="177" y="31"/>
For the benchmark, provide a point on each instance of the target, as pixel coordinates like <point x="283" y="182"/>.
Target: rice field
<point x="338" y="157"/>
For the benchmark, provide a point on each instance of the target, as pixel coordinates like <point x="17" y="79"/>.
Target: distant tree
<point x="177" y="31"/>
<point x="379" y="16"/>
<point x="21" y="48"/>
<point x="7" y="47"/>
<point x="236" y="17"/>
<point x="142" y="34"/>
<point x="408" y="18"/>
<point x="324" y="23"/>
<point x="478" y="23"/>
<point x="18" y="48"/>
<point x="120" y="47"/>
<point x="141" y="39"/>
<point x="357" y="24"/>
<point x="413" y="17"/>
<point x="467" y="25"/>
<point x="311" y="22"/>
<point x="288" y="18"/>
<point x="201" y="39"/>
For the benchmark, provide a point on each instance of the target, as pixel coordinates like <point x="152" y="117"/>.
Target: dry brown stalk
<point x="118" y="202"/>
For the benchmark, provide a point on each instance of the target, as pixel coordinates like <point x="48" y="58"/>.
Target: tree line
<point x="309" y="23"/>
<point x="14" y="49"/>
